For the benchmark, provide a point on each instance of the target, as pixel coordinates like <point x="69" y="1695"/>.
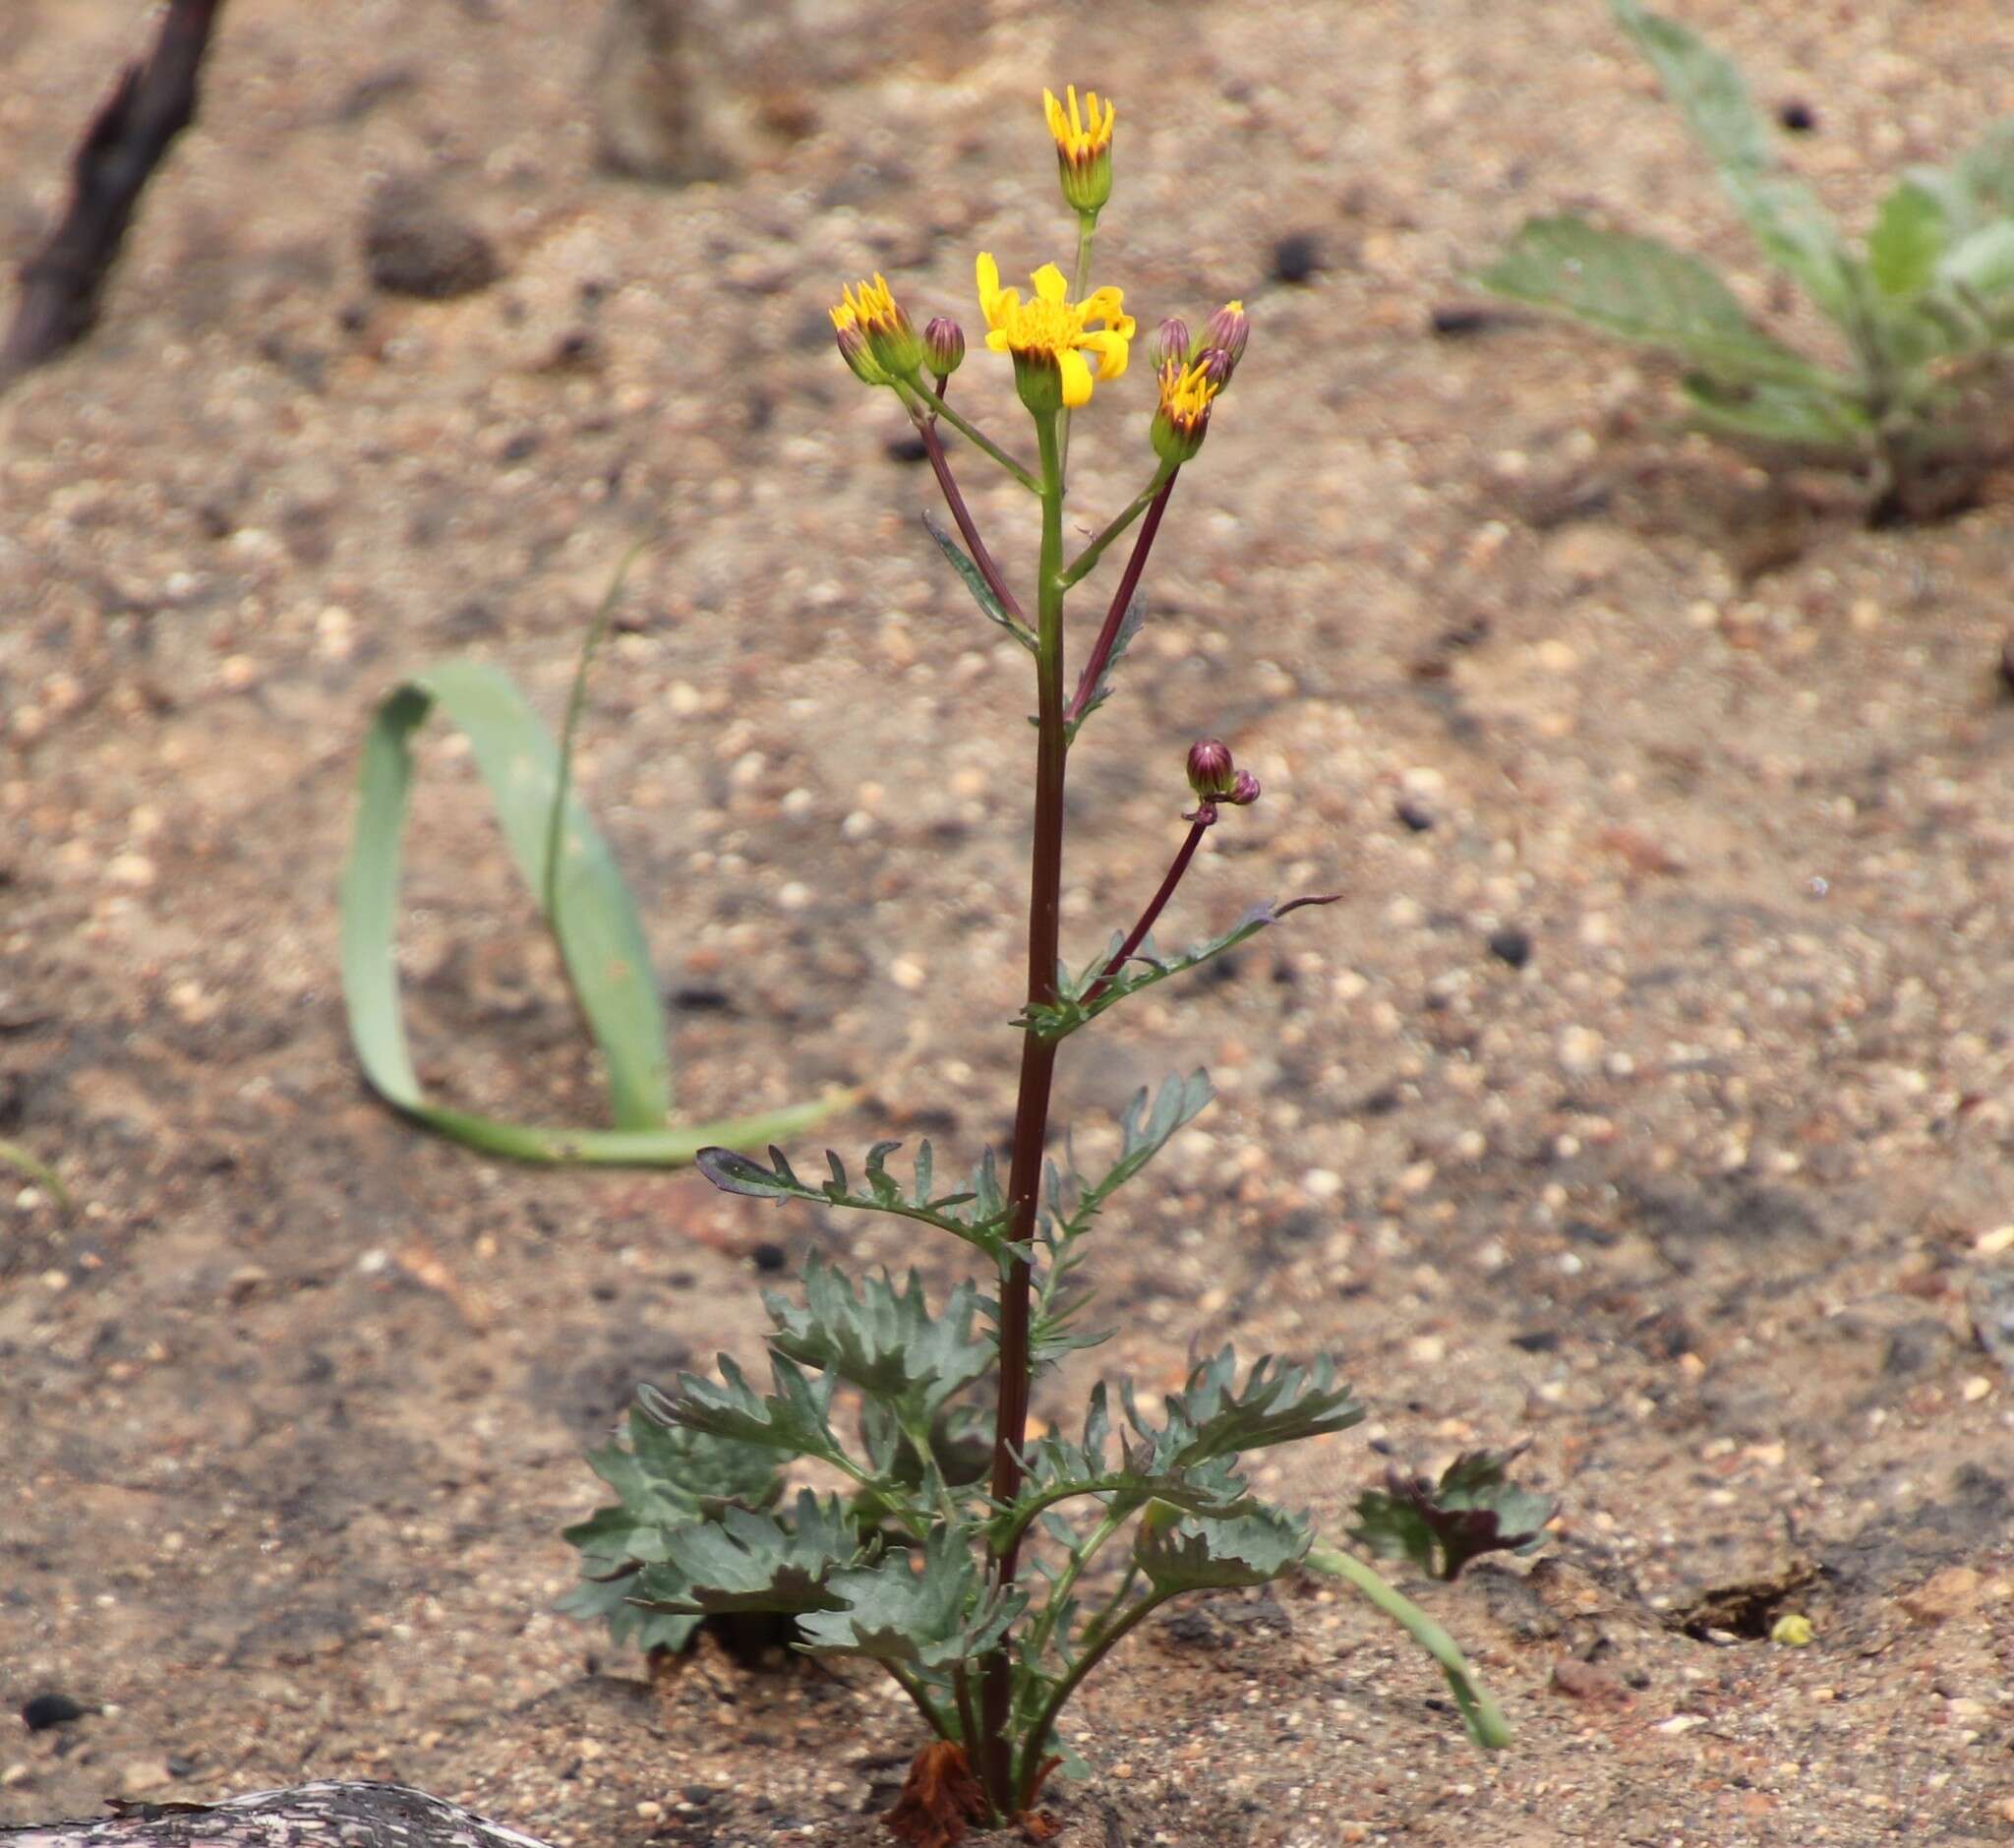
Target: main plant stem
<point x="1031" y="1105"/>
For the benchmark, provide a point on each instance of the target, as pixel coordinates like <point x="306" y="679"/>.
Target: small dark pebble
<point x="908" y="448"/>
<point x="1451" y="321"/>
<point x="2008" y="662"/>
<point x="1510" y="945"/>
<point x="179" y="1766"/>
<point x="1537" y="1341"/>
<point x="45" y="1710"/>
<point x="769" y="1258"/>
<point x="415" y="245"/>
<point x="1415" y="815"/>
<point x="521" y="446"/>
<point x="699" y="1000"/>
<point x="1296" y="257"/>
<point x="1797" y="116"/>
<point x="603" y="1291"/>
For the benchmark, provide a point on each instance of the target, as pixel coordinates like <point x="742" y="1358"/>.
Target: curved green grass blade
<point x="586" y="905"/>
<point x="1484" y="1719"/>
<point x="14" y="1156"/>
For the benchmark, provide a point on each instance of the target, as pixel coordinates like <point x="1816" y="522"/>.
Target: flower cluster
<point x="1062" y="339"/>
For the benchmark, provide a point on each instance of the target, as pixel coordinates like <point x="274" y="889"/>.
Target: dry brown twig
<point x="153" y="101"/>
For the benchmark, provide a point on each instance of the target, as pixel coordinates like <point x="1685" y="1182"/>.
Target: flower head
<point x="852" y="347"/>
<point x="1182" y="419"/>
<point x="879" y="316"/>
<point x="1084" y="148"/>
<point x="1049" y="335"/>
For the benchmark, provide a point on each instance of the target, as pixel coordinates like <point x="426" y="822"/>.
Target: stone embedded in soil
<point x="1510" y="945"/>
<point x="45" y="1710"/>
<point x="1587" y="1681"/>
<point x="416" y="244"/>
<point x="1944" y="1595"/>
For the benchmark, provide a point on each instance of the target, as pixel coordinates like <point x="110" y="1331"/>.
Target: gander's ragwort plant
<point x="1925" y="310"/>
<point x="969" y="1561"/>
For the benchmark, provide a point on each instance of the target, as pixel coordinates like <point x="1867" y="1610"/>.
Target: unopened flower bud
<point x="1244" y="789"/>
<point x="1228" y="330"/>
<point x="1216" y="366"/>
<point x="943" y="346"/>
<point x="1083" y="149"/>
<point x="1212" y="775"/>
<point x="1170" y="343"/>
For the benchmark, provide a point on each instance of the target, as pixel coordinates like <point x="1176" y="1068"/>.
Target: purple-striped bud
<point x="1170" y="343"/>
<point x="1228" y="330"/>
<point x="1211" y="774"/>
<point x="1244" y="789"/>
<point x="943" y="345"/>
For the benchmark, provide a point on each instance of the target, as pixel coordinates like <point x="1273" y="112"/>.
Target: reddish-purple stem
<point x="1205" y="817"/>
<point x="933" y="448"/>
<point x="1101" y="655"/>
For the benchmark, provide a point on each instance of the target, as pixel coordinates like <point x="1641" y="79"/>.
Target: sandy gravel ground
<point x="1702" y="1178"/>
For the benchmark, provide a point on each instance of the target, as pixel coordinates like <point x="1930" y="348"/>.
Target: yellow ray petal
<point x="1050" y="283"/>
<point x="1076" y="379"/>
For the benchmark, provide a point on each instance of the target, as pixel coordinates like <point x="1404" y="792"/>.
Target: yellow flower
<point x="1048" y="335"/>
<point x="873" y="309"/>
<point x="1073" y="141"/>
<point x="1084" y="148"/>
<point x="1182" y="417"/>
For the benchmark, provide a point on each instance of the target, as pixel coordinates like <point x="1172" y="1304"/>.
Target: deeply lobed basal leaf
<point x="884" y="1341"/>
<point x="795" y="1419"/>
<point x="1197" y="1552"/>
<point x="1212" y="1416"/>
<point x="1441" y="1526"/>
<point x="667" y="1479"/>
<point x="745" y="1560"/>
<point x="928" y="1606"/>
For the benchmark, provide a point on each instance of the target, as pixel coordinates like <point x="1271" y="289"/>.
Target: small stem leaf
<point x="1101" y="689"/>
<point x="1485" y="1722"/>
<point x="1643" y="291"/>
<point x="975" y="581"/>
<point x="1062" y="1018"/>
<point x="978" y="1215"/>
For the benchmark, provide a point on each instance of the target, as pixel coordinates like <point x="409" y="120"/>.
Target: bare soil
<point x="1707" y="1197"/>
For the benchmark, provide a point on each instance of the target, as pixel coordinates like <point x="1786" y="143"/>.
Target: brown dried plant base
<point x="941" y="1800"/>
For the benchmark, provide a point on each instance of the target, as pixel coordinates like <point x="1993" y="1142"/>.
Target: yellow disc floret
<point x="1049" y="335"/>
<point x="1181" y="418"/>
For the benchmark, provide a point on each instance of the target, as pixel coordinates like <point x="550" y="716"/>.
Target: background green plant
<point x="583" y="902"/>
<point x="1924" y="306"/>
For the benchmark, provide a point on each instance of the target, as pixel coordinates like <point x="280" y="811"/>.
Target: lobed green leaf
<point x="1474" y="1509"/>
